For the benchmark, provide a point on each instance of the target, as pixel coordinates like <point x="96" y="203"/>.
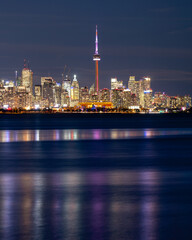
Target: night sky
<point x="142" y="38"/>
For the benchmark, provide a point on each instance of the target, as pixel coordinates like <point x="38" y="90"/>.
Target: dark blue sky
<point x="152" y="37"/>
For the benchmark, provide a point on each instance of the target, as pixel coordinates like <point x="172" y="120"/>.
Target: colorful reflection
<point x="80" y="205"/>
<point x="86" y="134"/>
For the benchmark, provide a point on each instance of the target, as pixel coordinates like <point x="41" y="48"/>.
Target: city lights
<point x="135" y="96"/>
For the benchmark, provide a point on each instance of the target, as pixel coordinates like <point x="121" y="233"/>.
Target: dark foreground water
<point x="95" y="177"/>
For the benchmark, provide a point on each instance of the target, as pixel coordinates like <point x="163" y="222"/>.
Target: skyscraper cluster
<point x="50" y="94"/>
<point x="139" y="95"/>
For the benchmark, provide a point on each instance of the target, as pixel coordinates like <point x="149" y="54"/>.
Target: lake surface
<point x="95" y="177"/>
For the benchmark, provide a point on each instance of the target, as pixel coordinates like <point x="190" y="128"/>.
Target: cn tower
<point x="96" y="58"/>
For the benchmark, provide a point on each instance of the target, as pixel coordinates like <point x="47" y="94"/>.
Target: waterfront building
<point x="134" y="101"/>
<point x="148" y="99"/>
<point x="127" y="98"/>
<point x="21" y="97"/>
<point x="94" y="97"/>
<point x="9" y="84"/>
<point x="27" y="79"/>
<point x="66" y="85"/>
<point x="84" y="94"/>
<point x="132" y="84"/>
<point x="2" y="83"/>
<point x="139" y="93"/>
<point x="187" y="101"/>
<point x="75" y="89"/>
<point x="9" y="97"/>
<point x="92" y="89"/>
<point x="38" y="91"/>
<point x="57" y="102"/>
<point x="146" y="83"/>
<point x="65" y="99"/>
<point x="105" y="95"/>
<point x="115" y="84"/>
<point x="2" y="95"/>
<point x="18" y="81"/>
<point x="160" y="100"/>
<point x="48" y="90"/>
<point x="174" y="102"/>
<point x="38" y="97"/>
<point x="117" y="97"/>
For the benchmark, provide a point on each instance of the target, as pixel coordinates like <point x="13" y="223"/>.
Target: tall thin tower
<point x="96" y="58"/>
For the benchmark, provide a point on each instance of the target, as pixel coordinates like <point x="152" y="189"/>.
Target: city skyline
<point x="145" y="39"/>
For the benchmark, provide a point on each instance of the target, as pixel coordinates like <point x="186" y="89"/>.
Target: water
<point x="95" y="177"/>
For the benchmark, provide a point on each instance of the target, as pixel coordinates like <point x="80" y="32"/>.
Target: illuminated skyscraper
<point x="115" y="84"/>
<point x="84" y="94"/>
<point x="117" y="97"/>
<point x="146" y="83"/>
<point x="148" y="98"/>
<point x="131" y="84"/>
<point x="27" y="78"/>
<point x="160" y="99"/>
<point x="66" y="85"/>
<point x="48" y="90"/>
<point x="105" y="95"/>
<point x="57" y="94"/>
<point x="75" y="89"/>
<point x="127" y="98"/>
<point x="96" y="58"/>
<point x="38" y="91"/>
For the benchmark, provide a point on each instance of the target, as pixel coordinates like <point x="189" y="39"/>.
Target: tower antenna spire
<point x="96" y="43"/>
<point x="25" y="63"/>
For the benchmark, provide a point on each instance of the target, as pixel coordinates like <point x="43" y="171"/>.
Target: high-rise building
<point x="173" y="102"/>
<point x="65" y="99"/>
<point x="91" y="90"/>
<point x="47" y="80"/>
<point x="187" y="101"/>
<point x="93" y="95"/>
<point x="2" y="82"/>
<point x="21" y="97"/>
<point x="105" y="95"/>
<point x="84" y="94"/>
<point x="38" y="96"/>
<point x="9" y="97"/>
<point x="66" y="85"/>
<point x="75" y="89"/>
<point x="117" y="97"/>
<point x="160" y="100"/>
<point x="139" y="92"/>
<point x="148" y="99"/>
<point x="115" y="84"/>
<point x="2" y="96"/>
<point x="48" y="90"/>
<point x="38" y="91"/>
<point x="127" y="98"/>
<point x="146" y="83"/>
<point x="57" y="94"/>
<point x="131" y="84"/>
<point x="27" y="79"/>
<point x="96" y="58"/>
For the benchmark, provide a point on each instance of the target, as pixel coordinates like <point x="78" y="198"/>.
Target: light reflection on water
<point x="91" y="134"/>
<point x="70" y="205"/>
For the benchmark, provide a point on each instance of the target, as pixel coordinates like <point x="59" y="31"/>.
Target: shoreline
<point x="89" y="113"/>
